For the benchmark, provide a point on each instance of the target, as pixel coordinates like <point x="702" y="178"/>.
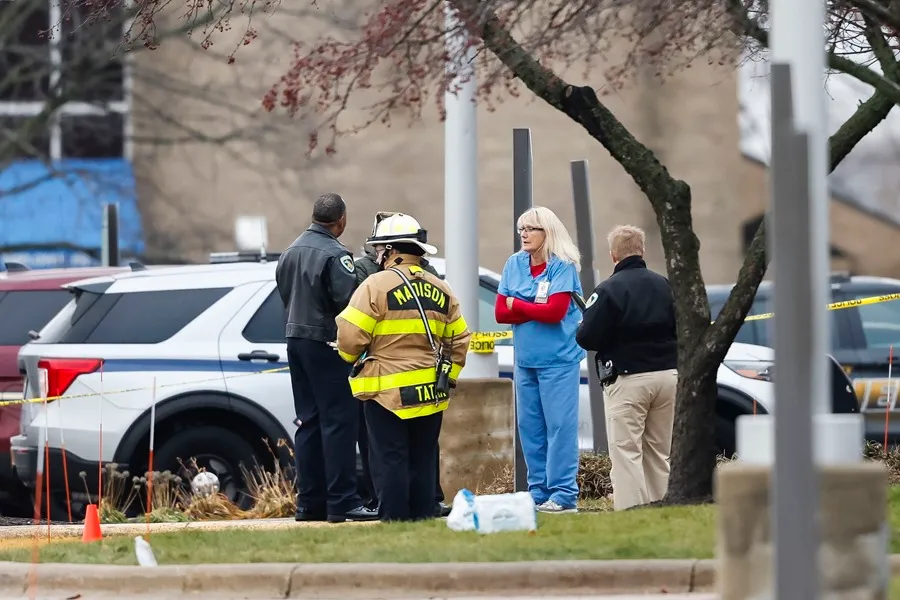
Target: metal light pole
<point x="806" y="435"/>
<point x="798" y="40"/>
<point x="800" y="241"/>
<point x="523" y="199"/>
<point x="584" y="229"/>
<point x="794" y="478"/>
<point x="461" y="185"/>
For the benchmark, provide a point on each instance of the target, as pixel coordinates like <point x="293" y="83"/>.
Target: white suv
<point x="202" y="334"/>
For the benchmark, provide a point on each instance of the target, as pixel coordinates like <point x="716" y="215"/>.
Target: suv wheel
<point x="214" y="449"/>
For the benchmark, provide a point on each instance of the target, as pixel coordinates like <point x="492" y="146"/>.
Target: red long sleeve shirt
<point x="551" y="312"/>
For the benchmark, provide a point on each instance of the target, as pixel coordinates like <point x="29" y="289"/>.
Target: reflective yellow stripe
<point x="404" y="326"/>
<point x="421" y="411"/>
<point x="347" y="357"/>
<point x="358" y="318"/>
<point x="373" y="385"/>
<point x="455" y="370"/>
<point x="457" y="327"/>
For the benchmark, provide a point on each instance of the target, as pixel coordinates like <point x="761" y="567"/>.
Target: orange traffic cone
<point x="92" y="531"/>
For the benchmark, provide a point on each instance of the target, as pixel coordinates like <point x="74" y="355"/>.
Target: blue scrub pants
<point x="547" y="415"/>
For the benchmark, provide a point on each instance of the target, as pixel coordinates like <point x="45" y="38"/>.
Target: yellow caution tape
<point x="482" y="342"/>
<point x="839" y="305"/>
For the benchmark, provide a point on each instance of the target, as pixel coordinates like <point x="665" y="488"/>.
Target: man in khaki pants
<point x="629" y="321"/>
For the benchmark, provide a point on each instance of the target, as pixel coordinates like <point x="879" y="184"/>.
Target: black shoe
<point x="360" y="513"/>
<point x="307" y="514"/>
<point x="441" y="510"/>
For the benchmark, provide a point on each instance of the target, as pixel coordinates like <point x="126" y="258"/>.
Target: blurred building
<point x="204" y="153"/>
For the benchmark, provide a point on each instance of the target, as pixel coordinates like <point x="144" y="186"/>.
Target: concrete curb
<point x="362" y="580"/>
<point x="355" y="580"/>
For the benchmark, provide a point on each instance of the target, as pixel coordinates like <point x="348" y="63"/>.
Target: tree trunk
<point x="693" y="458"/>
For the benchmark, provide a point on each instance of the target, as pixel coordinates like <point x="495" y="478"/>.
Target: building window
<point x="60" y="54"/>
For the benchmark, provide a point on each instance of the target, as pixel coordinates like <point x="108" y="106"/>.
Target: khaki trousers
<point x="640" y="410"/>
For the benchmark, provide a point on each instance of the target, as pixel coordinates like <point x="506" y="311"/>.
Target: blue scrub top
<point x="536" y="344"/>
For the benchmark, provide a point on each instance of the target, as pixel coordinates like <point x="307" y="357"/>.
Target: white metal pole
<point x="798" y="39"/>
<point x="461" y="183"/>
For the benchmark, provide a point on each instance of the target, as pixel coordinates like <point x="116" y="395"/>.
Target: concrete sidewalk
<point x="364" y="580"/>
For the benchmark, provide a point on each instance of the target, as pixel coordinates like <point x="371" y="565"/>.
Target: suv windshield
<point x="24" y="310"/>
<point x="127" y="318"/>
<point x="880" y="323"/>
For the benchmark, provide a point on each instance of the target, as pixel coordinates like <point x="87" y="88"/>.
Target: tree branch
<point x="744" y="25"/>
<point x="877" y="11"/>
<point x="719" y="337"/>
<point x="670" y="197"/>
<point x="578" y="103"/>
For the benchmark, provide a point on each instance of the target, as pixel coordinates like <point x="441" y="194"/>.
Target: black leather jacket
<point x="316" y="277"/>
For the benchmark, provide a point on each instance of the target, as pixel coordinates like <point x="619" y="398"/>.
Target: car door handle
<point x="258" y="355"/>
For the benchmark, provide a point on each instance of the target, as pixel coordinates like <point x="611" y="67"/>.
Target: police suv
<point x="205" y="344"/>
<point x="865" y="340"/>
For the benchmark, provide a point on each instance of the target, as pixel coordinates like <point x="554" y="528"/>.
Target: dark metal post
<point x="584" y="230"/>
<point x="110" y="242"/>
<point x="794" y="493"/>
<point x="523" y="199"/>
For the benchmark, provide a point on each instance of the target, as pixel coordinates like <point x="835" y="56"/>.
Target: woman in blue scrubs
<point x="535" y="296"/>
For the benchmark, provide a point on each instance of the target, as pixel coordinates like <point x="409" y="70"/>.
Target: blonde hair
<point x="625" y="241"/>
<point x="557" y="241"/>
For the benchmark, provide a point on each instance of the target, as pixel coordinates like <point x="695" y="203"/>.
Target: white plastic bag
<point x="492" y="513"/>
<point x="144" y="552"/>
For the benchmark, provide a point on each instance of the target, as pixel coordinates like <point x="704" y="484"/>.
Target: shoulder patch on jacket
<point x="591" y="300"/>
<point x="347" y="262"/>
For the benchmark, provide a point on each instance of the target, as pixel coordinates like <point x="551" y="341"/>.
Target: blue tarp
<point x="65" y="207"/>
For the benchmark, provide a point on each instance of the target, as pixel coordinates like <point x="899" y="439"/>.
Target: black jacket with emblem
<point x="382" y="320"/>
<point x="630" y="320"/>
<point x="316" y="277"/>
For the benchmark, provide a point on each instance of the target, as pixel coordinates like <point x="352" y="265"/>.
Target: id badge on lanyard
<point x="543" y="292"/>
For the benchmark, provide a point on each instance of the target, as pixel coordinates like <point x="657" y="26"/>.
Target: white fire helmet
<point x="401" y="228"/>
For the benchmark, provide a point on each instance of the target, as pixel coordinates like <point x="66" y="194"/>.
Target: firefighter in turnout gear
<point x="369" y="264"/>
<point x="408" y="324"/>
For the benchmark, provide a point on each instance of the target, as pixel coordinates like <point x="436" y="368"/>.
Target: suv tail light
<point x="57" y="374"/>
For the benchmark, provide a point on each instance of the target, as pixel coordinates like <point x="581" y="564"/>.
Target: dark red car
<point x="28" y="300"/>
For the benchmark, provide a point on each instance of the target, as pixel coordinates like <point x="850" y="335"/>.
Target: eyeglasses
<point x="522" y="230"/>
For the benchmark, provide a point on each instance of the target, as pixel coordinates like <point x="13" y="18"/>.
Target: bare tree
<point x="399" y="62"/>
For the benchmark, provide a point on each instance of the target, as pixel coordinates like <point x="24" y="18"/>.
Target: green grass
<point x="650" y="533"/>
<point x="672" y="532"/>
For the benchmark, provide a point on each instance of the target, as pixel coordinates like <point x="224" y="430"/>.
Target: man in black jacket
<point x="316" y="277"/>
<point x="369" y="264"/>
<point x="629" y="321"/>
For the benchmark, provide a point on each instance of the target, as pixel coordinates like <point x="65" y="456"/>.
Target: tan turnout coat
<point x="382" y="320"/>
